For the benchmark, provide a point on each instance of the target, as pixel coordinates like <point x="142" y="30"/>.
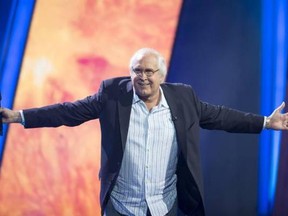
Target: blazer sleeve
<point x="68" y="113"/>
<point x="216" y="117"/>
<point x="231" y="120"/>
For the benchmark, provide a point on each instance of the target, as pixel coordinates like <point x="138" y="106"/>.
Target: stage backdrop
<point x="72" y="46"/>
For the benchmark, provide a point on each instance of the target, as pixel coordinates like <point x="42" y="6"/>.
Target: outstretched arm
<point x="277" y="120"/>
<point x="10" y="116"/>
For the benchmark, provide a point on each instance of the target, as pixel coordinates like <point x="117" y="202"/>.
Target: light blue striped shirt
<point x="147" y="176"/>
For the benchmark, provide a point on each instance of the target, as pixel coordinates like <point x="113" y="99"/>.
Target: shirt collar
<point x="163" y="101"/>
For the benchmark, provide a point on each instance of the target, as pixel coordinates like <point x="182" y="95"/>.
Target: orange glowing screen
<point x="72" y="46"/>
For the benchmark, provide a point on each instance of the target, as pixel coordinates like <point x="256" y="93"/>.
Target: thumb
<point x="281" y="107"/>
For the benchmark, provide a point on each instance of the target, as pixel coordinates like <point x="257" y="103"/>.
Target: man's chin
<point x="143" y="94"/>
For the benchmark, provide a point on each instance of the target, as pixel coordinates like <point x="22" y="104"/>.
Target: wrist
<point x="267" y="122"/>
<point x="17" y="117"/>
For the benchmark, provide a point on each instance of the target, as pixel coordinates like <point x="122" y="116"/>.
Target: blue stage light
<point x="273" y="87"/>
<point x="14" y="43"/>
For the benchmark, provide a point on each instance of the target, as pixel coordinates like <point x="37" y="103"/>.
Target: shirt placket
<point x="148" y="159"/>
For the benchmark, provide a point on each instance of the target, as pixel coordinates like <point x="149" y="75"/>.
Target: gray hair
<point x="144" y="51"/>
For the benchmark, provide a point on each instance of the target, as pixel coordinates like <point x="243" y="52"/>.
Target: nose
<point x="142" y="75"/>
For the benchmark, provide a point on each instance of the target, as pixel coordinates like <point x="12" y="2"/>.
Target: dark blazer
<point x="112" y="105"/>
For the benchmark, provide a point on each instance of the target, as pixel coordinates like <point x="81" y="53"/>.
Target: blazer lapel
<point x="124" y="110"/>
<point x="176" y="108"/>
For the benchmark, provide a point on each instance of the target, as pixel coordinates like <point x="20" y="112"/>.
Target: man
<point x="150" y="161"/>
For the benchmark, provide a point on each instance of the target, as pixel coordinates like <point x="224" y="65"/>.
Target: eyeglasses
<point x="148" y="72"/>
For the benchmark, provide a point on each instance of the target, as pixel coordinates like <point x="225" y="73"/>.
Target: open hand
<point x="278" y="120"/>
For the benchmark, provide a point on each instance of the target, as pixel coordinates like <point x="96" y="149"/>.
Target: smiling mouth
<point x="143" y="84"/>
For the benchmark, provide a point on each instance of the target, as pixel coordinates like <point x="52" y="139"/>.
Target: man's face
<point x="146" y="87"/>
